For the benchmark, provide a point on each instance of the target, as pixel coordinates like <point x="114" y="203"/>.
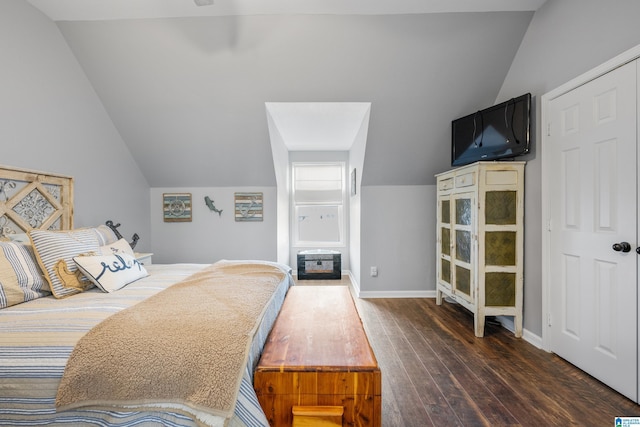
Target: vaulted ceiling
<point x="82" y="10"/>
<point x="187" y="91"/>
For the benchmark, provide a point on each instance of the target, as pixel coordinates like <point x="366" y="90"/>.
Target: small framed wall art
<point x="248" y="206"/>
<point x="176" y="207"/>
<point x="353" y="182"/>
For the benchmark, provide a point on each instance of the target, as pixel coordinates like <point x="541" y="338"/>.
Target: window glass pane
<point x="463" y="245"/>
<point x="318" y="199"/>
<point x="318" y="223"/>
<point x="463" y="211"/>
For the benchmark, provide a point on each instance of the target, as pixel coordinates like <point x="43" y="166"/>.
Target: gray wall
<point x="210" y="237"/>
<point x="398" y="235"/>
<point x="565" y="39"/>
<point x="199" y="85"/>
<point x="52" y="120"/>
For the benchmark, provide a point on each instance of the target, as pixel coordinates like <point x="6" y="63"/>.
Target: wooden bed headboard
<point x="31" y="199"/>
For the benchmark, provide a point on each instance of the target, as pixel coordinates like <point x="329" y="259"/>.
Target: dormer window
<point x="318" y="204"/>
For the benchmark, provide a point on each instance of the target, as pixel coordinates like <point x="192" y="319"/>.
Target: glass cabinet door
<point x="464" y="246"/>
<point x="444" y="234"/>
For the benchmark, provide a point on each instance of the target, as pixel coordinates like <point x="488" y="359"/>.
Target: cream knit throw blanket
<point x="184" y="348"/>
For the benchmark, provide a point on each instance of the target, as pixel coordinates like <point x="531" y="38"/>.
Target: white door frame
<point x="624" y="58"/>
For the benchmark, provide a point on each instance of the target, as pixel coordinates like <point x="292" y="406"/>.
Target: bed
<point x="63" y="359"/>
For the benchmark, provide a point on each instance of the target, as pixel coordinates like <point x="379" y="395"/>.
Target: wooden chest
<point x="318" y="355"/>
<point x="319" y="264"/>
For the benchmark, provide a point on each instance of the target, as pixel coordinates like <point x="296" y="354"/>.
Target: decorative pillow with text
<point x="119" y="247"/>
<point x="111" y="272"/>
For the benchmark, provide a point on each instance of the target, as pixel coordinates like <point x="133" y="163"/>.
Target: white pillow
<point x="105" y="234"/>
<point x="111" y="272"/>
<point x="119" y="247"/>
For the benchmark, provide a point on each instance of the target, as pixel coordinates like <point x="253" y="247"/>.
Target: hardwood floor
<point x="435" y="372"/>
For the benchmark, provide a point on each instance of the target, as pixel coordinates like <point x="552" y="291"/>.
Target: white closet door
<point x="593" y="205"/>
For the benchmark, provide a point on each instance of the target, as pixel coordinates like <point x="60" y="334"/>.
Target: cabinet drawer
<point x="445" y="184"/>
<point x="466" y="180"/>
<point x="502" y="177"/>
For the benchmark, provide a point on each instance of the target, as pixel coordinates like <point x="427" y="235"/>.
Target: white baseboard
<point x="528" y="336"/>
<point x="505" y="321"/>
<point x="387" y="294"/>
<point x="397" y="294"/>
<point x="531" y="338"/>
<point x="355" y="286"/>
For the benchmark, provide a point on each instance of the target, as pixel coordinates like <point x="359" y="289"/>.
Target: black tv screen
<point x="494" y="133"/>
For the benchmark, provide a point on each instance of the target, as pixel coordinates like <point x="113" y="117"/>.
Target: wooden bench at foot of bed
<point x="318" y="355"/>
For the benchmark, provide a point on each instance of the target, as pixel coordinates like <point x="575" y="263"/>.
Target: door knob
<point x="638" y="250"/>
<point x="622" y="247"/>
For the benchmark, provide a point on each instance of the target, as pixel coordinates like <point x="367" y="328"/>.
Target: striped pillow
<point x="21" y="279"/>
<point x="55" y="251"/>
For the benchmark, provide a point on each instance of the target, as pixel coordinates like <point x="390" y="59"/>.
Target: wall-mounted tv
<point x="494" y="133"/>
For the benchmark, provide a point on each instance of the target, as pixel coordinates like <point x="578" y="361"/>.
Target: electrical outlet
<point x="374" y="271"/>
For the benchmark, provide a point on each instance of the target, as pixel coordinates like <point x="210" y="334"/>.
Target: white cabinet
<point x="144" y="258"/>
<point x="480" y="240"/>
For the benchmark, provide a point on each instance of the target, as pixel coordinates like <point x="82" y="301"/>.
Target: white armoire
<point x="479" y="248"/>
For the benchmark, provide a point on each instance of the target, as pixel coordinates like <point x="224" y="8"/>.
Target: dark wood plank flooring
<point x="435" y="372"/>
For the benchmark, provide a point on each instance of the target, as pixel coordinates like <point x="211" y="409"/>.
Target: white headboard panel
<point x="31" y="199"/>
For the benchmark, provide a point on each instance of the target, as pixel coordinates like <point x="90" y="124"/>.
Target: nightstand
<point x="144" y="258"/>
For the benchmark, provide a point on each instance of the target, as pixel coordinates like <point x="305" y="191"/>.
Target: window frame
<point x="296" y="207"/>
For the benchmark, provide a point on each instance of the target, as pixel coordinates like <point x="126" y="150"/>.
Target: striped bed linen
<point x="37" y="337"/>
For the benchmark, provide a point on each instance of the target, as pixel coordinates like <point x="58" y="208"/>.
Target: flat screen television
<point x="497" y="132"/>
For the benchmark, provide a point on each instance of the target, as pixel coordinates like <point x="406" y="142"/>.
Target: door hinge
<point x="549" y="224"/>
<point x="549" y="319"/>
<point x="548" y="129"/>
